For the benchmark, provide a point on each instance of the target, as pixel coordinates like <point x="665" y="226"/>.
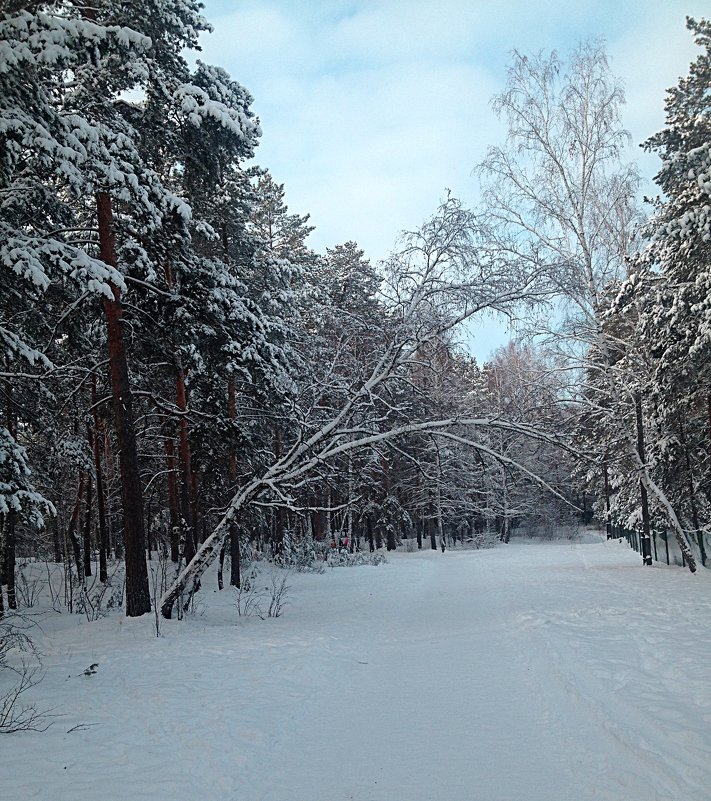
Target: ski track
<point x="533" y="672"/>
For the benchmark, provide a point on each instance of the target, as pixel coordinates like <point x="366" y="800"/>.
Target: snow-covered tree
<point x="433" y="283"/>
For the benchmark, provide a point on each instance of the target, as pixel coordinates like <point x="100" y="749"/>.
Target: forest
<point x="183" y="379"/>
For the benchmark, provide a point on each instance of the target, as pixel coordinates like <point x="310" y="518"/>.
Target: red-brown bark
<point x="138" y="599"/>
<point x="173" y="512"/>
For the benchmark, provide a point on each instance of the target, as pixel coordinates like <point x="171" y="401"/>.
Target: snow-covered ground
<point x="533" y="672"/>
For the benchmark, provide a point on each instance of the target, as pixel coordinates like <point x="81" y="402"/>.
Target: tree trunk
<point x="280" y="513"/>
<point x="185" y="460"/>
<point x="173" y="513"/>
<point x="349" y="508"/>
<point x="235" y="554"/>
<point x="149" y="531"/>
<point x="505" y="529"/>
<point x="112" y="518"/>
<point x="692" y="494"/>
<point x="608" y="516"/>
<point x="194" y="498"/>
<point x="438" y="501"/>
<point x="7" y="564"/>
<point x="391" y="542"/>
<point x="73" y="531"/>
<point x="55" y="541"/>
<point x="369" y="529"/>
<point x="2" y="562"/>
<point x="317" y="522"/>
<point x="138" y="597"/>
<point x="646" y="543"/>
<point x="221" y="567"/>
<point x="232" y="415"/>
<point x="505" y="535"/>
<point x="100" y="490"/>
<point x="8" y="561"/>
<point x="235" y="557"/>
<point x="87" y="526"/>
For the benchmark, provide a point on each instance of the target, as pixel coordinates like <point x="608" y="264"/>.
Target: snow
<point x="532" y="672"/>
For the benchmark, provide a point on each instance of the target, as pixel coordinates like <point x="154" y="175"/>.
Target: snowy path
<point x="551" y="672"/>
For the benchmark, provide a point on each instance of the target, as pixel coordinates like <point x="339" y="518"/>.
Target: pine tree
<point x="675" y="321"/>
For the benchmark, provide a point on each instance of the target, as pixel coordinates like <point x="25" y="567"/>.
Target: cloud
<point x="371" y="108"/>
<point x="387" y="32"/>
<point x="260" y="39"/>
<point x="364" y="142"/>
<point x="650" y="58"/>
<point x="385" y="143"/>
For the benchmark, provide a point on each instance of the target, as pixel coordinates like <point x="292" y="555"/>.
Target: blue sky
<point x="371" y="108"/>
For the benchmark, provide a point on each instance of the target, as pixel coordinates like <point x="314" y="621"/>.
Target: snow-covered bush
<point x="304" y="555"/>
<point x="343" y="558"/>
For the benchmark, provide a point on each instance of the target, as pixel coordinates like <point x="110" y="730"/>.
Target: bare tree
<point x="558" y="194"/>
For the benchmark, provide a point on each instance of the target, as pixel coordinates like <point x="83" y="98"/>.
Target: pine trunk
<point x="138" y="597"/>
<point x="73" y="531"/>
<point x="185" y="460"/>
<point x="2" y="562"/>
<point x="86" y="538"/>
<point x="235" y="555"/>
<point x="8" y="561"/>
<point x="100" y="489"/>
<point x="173" y="512"/>
<point x="194" y="496"/>
<point x="7" y="564"/>
<point x="115" y="544"/>
<point x="221" y="567"/>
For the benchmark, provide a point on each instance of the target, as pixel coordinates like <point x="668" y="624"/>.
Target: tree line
<point x="182" y="374"/>
<point x="631" y="317"/>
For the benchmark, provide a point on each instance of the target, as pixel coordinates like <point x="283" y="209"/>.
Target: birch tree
<point x="559" y="195"/>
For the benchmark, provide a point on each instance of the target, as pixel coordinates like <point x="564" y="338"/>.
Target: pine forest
<point x="201" y="414"/>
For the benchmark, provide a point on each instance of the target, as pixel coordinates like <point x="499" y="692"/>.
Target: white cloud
<point x="389" y="32"/>
<point x="386" y="143"/>
<point x="370" y="108"/>
<point x="260" y="38"/>
<point x="651" y="58"/>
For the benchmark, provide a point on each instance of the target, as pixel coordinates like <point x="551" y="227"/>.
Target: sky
<point x="371" y="109"/>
